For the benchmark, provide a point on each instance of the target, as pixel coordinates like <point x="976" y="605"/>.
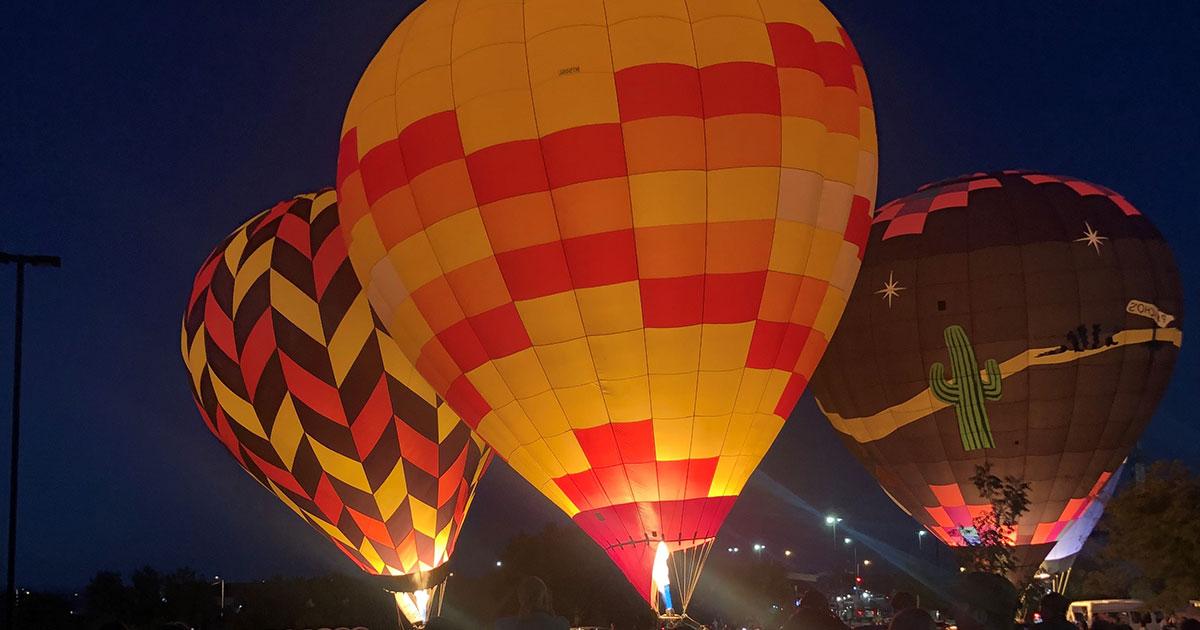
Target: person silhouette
<point x="534" y="609"/>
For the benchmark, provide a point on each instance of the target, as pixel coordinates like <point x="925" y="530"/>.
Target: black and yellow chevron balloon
<point x="293" y="373"/>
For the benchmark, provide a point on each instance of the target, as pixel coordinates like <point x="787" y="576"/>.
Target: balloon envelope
<point x="1017" y="318"/>
<point x="291" y="372"/>
<point x="616" y="236"/>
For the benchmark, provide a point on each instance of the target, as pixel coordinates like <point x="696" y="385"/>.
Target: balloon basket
<point x="674" y="620"/>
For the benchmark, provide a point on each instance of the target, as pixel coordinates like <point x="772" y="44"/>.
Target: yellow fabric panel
<point x="839" y="158"/>
<point x="238" y="408"/>
<point x="716" y="392"/>
<point x="739" y="194"/>
<point x="557" y="419"/>
<point x="610" y="308"/>
<point x="567" y="363"/>
<point x="731" y="39"/>
<point x="377" y="123"/>
<point x="447" y="421"/>
<point x="551" y="319"/>
<point x="252" y="269"/>
<point x="646" y="40"/>
<point x="523" y="373"/>
<point x="195" y="356"/>
<point x="423" y="95"/>
<point x="441" y="542"/>
<point x="830" y="312"/>
<point x="415" y="260"/>
<point x="791" y="247"/>
<point x="482" y="24"/>
<point x="286" y="432"/>
<point x="705" y="9"/>
<point x="497" y="68"/>
<point x="491" y="385"/>
<point x="673" y="350"/>
<point x="836" y="198"/>
<point x="802" y="144"/>
<point x="672" y="395"/>
<point x="424" y="517"/>
<point x="365" y="244"/>
<point x="583" y="405"/>
<point x="735" y="433"/>
<point x="346" y="342"/>
<point x="621" y="10"/>
<point x="824" y="254"/>
<point x="754" y="381"/>
<point x="743" y="467"/>
<point x="496" y="118"/>
<point x="566" y="450"/>
<point x="672" y="438"/>
<point x="868" y="136"/>
<point x="416" y="330"/>
<point x="279" y="492"/>
<point x="459" y="240"/>
<point x="773" y="390"/>
<point x="627" y="400"/>
<point x="619" y="355"/>
<point x="846" y="270"/>
<point x="708" y="433"/>
<point x="724" y="346"/>
<point x="725" y="465"/>
<point x="762" y="434"/>
<point x="540" y="452"/>
<point x="339" y="466"/>
<point x="515" y="417"/>
<point x="668" y="198"/>
<point x="391" y="493"/>
<point x="428" y="44"/>
<point x="545" y="15"/>
<point x="568" y="51"/>
<point x="497" y="432"/>
<point x="575" y="100"/>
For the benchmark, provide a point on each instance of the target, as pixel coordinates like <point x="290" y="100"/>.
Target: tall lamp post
<point x="21" y="261"/>
<point x="921" y="539"/>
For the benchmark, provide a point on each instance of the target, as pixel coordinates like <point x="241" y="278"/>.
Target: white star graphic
<point x="891" y="289"/>
<point x="1092" y="238"/>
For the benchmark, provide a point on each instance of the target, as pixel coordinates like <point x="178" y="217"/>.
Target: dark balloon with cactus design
<point x="1018" y="319"/>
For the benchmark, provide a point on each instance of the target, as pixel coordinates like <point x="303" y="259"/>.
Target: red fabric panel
<point x="740" y="87"/>
<point x="429" y="142"/>
<point x="602" y="259"/>
<point x="672" y="302"/>
<point x="533" y="272"/>
<point x="507" y="170"/>
<point x="658" y="89"/>
<point x="584" y="154"/>
<point x="383" y="170"/>
<point x="501" y="331"/>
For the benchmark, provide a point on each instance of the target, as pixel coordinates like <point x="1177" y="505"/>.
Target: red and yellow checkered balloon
<point x="615" y="235"/>
<point x="292" y="373"/>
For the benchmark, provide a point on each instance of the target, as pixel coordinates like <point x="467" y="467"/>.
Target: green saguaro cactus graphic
<point x="967" y="391"/>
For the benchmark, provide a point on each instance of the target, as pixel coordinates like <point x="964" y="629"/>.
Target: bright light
<point x="415" y="606"/>
<point x="830" y="520"/>
<point x="661" y="576"/>
<point x="921" y="532"/>
<point x="962" y="569"/>
<point x="499" y="563"/>
<point x="735" y="550"/>
<point x="1042" y="576"/>
<point x="847" y="541"/>
<point x="758" y="547"/>
<point x="787" y="552"/>
<point x="866" y="563"/>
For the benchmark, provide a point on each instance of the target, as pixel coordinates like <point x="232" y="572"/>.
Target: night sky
<point x="136" y="135"/>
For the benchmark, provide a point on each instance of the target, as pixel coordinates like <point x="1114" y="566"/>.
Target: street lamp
<point x="21" y="261"/>
<point x="759" y="547"/>
<point x="832" y="521"/>
<point x="787" y="552"/>
<point x="499" y="563"/>
<point x="222" y="583"/>
<point x="920" y="538"/>
<point x="855" y="549"/>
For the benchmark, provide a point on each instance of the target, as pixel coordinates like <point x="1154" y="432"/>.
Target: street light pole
<point x="20" y="261"/>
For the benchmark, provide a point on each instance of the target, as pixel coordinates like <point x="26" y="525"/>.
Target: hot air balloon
<point x="616" y="237"/>
<point x="1026" y="320"/>
<point x="292" y="372"/>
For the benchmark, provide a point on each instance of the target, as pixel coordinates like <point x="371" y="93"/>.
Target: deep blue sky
<point x="135" y="135"/>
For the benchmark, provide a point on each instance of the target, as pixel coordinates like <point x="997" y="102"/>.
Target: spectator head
<point x="533" y="596"/>
<point x="1054" y="606"/>
<point x="913" y="619"/>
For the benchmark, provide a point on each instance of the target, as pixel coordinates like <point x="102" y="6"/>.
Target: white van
<point x="1121" y="610"/>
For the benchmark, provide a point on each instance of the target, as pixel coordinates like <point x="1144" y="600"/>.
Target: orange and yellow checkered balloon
<point x="292" y="373"/>
<point x="615" y="235"/>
